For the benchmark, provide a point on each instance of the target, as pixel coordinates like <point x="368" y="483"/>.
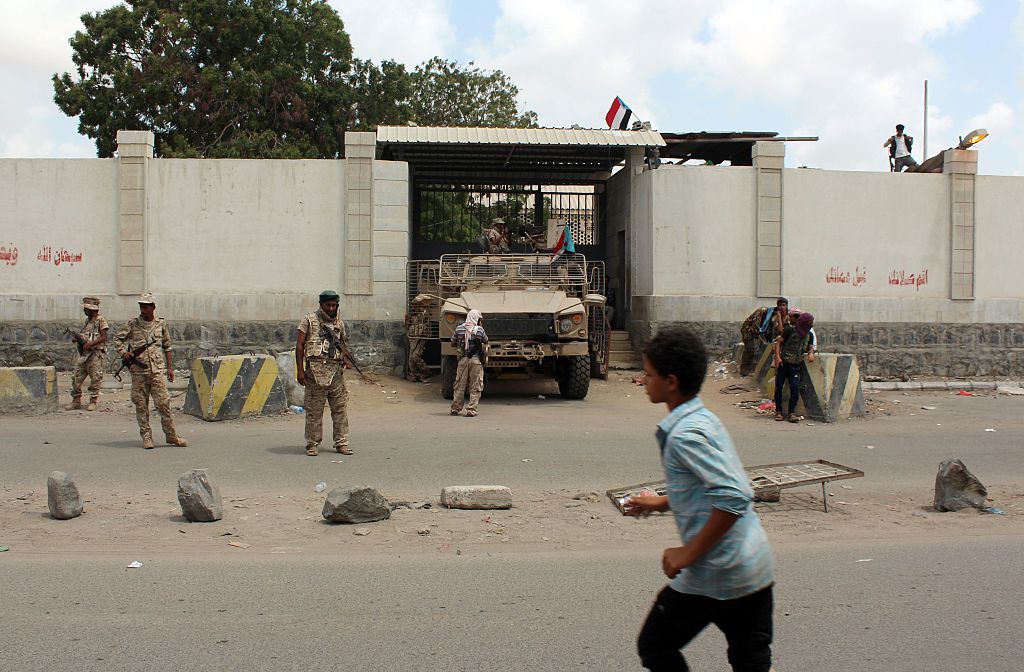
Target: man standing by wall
<point x="319" y="367"/>
<point x="148" y="380"/>
<point x="418" y="332"/>
<point x="91" y="360"/>
<point x="789" y="349"/>
<point x="900" y="146"/>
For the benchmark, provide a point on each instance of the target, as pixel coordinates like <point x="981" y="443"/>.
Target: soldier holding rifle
<point x="319" y="367"/>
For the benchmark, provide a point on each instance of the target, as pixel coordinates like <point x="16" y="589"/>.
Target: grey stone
<point x="286" y="373"/>
<point x="199" y="498"/>
<point x="476" y="497"/>
<point x="957" y="488"/>
<point x="769" y="494"/>
<point x="62" y="496"/>
<point x="360" y="504"/>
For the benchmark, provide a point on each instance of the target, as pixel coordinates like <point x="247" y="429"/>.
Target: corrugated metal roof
<point x="458" y="135"/>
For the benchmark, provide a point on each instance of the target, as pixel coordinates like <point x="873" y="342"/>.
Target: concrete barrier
<point x="234" y="386"/>
<point x="28" y="390"/>
<point x="830" y="387"/>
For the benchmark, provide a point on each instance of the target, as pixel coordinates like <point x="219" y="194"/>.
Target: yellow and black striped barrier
<point x="830" y="388"/>
<point x="28" y="390"/>
<point x="234" y="386"/>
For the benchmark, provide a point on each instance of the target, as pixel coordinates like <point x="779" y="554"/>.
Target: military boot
<point x="177" y="441"/>
<point x="147" y="442"/>
<point x="92" y="404"/>
<point x="75" y="404"/>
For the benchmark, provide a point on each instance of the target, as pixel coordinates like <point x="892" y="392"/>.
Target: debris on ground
<point x="239" y="544"/>
<point x="1011" y="390"/>
<point x="957" y="488"/>
<point x="735" y="388"/>
<point x="992" y="509"/>
<point x="928" y="408"/>
<point x="134" y="564"/>
<point x="965" y="393"/>
<point x="356" y="505"/>
<point x="320" y="487"/>
<point x="361" y="531"/>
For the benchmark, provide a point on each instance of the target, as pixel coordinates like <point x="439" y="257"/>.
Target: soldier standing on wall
<point x="319" y="367"/>
<point x="418" y="324"/>
<point x="137" y="344"/>
<point x="91" y="341"/>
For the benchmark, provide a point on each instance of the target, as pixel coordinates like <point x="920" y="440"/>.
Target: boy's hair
<point x="677" y="351"/>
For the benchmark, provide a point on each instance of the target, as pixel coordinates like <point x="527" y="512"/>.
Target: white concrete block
<point x="390" y="244"/>
<point x="390" y="192"/>
<point x="131" y="253"/>
<point x="130" y="280"/>
<point x="131" y="227"/>
<point x="390" y="170"/>
<point x="360" y="138"/>
<point x="135" y="144"/>
<point x="133" y="175"/>
<point x="769" y="209"/>
<point x="476" y="497"/>
<point x="360" y="151"/>
<point x="763" y="148"/>
<point x="391" y="218"/>
<point x="132" y="201"/>
<point x="769" y="258"/>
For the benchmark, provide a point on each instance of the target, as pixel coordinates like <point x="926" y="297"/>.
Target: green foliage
<point x="257" y="79"/>
<point x="446" y="95"/>
<point x="212" y="78"/>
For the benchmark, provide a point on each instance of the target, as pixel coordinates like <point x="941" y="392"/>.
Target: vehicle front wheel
<point x="449" y="366"/>
<point x="574" y="376"/>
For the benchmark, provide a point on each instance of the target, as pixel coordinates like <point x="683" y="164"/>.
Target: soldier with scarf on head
<point x="469" y="338"/>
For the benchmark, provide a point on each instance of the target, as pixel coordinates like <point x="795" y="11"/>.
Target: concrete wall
<point x="235" y="251"/>
<point x="870" y="254"/>
<point x="244" y="227"/>
<point x="58" y="226"/>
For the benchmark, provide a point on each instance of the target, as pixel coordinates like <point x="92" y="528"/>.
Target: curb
<point x="941" y="385"/>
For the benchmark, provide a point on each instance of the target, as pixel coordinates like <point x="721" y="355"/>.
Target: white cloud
<point x="407" y="32"/>
<point x="998" y="119"/>
<point x="843" y="68"/>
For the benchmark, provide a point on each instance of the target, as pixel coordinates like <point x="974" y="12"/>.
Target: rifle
<point x="132" y="357"/>
<point x="337" y="344"/>
<point x="78" y="339"/>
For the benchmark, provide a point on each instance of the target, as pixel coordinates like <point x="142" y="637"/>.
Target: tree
<point x="213" y="78"/>
<point x="443" y="94"/>
<point x="257" y="79"/>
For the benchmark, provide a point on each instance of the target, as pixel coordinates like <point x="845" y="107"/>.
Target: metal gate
<point x="449" y="218"/>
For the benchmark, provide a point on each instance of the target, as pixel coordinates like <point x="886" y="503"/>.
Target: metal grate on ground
<point x="763" y="478"/>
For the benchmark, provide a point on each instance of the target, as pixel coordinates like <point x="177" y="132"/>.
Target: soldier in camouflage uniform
<point x="320" y="368"/>
<point x="93" y="358"/>
<point x="418" y="324"/>
<point x="149" y="381"/>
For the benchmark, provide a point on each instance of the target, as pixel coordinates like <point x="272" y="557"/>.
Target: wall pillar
<point x="962" y="167"/>
<point x="769" y="159"/>
<point x="360" y="148"/>
<point x="134" y="150"/>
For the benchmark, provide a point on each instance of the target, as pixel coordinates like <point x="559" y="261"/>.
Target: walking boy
<point x="724" y="572"/>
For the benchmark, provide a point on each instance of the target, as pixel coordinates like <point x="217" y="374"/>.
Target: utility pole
<point x="924" y="144"/>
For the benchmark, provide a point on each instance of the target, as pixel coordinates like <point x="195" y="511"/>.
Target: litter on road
<point x="134" y="564"/>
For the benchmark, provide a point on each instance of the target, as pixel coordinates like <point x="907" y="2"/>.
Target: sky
<point x="846" y="71"/>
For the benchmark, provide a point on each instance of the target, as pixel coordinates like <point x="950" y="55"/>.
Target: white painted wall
<point x="704" y="230"/>
<point x="999" y="236"/>
<point x="244" y="226"/>
<point x="841" y="225"/>
<point x="55" y="205"/>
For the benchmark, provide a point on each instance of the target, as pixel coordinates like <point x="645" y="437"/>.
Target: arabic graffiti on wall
<point x="9" y="255"/>
<point x="835" y="276"/>
<point x="902" y="278"/>
<point x="60" y="256"/>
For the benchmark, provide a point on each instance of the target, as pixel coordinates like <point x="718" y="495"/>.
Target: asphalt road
<point x="944" y="605"/>
<point x="933" y="592"/>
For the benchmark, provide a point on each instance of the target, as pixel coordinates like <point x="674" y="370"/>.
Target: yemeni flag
<point x="618" y="115"/>
<point x="565" y="243"/>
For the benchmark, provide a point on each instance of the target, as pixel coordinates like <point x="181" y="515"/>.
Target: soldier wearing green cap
<point x="319" y="368"/>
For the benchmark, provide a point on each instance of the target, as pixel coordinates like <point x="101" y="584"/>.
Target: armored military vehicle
<point x="543" y="313"/>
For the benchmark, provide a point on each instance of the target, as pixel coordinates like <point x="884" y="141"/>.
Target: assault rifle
<point x="78" y="339"/>
<point x="132" y="357"/>
<point x="337" y="344"/>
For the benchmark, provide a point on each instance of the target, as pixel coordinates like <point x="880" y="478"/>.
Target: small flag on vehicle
<point x="618" y="115"/>
<point x="565" y="243"/>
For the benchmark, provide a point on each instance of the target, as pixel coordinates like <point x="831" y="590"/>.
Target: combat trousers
<point x="92" y="368"/>
<point x="417" y="368"/>
<point x="336" y="396"/>
<point x="469" y="374"/>
<point x="152" y="385"/>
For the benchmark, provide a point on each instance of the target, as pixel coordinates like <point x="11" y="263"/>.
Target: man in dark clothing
<point x="789" y="349"/>
<point x="900" y="146"/>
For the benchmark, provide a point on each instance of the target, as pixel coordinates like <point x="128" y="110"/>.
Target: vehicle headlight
<point x="565" y="325"/>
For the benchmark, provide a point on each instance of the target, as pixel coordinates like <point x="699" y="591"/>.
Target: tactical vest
<point x="793" y="348"/>
<point x="316" y="345"/>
